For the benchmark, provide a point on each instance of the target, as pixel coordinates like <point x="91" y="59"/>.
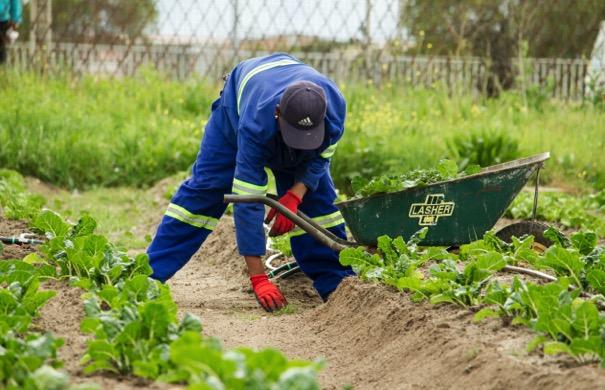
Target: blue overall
<point x="241" y="139"/>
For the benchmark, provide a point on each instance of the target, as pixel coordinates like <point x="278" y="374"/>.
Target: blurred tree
<point x="564" y="28"/>
<point x="99" y="21"/>
<point x="494" y="29"/>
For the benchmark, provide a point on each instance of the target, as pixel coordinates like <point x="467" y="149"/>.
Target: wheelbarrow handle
<point x="300" y="219"/>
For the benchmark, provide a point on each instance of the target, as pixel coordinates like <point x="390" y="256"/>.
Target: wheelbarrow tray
<point x="456" y="211"/>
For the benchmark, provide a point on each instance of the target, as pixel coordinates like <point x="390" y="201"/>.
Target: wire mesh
<point x="350" y="40"/>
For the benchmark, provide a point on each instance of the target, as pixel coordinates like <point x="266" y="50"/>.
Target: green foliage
<point x="133" y="327"/>
<point x="20" y="297"/>
<point x="565" y="322"/>
<point x="200" y="362"/>
<point x="132" y="317"/>
<point x="578" y="212"/>
<point x="394" y="259"/>
<point x="88" y="259"/>
<point x="27" y="358"/>
<point x="103" y="21"/>
<point x="445" y="170"/>
<point x="23" y="356"/>
<point x="394" y="130"/>
<point x="483" y="27"/>
<point x="100" y="131"/>
<point x="483" y="148"/>
<point x="134" y="320"/>
<point x="137" y="130"/>
<point x="15" y="201"/>
<point x="282" y="244"/>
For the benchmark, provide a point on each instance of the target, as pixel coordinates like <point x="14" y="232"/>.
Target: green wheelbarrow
<point x="456" y="211"/>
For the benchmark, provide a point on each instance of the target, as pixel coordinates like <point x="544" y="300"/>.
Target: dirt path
<point x="371" y="337"/>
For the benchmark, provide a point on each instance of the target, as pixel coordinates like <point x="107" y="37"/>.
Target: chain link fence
<point x="350" y="40"/>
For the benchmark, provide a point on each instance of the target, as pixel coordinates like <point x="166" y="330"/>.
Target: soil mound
<point x="386" y="341"/>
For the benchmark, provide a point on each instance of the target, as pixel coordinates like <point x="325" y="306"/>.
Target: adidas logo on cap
<point x="305" y="122"/>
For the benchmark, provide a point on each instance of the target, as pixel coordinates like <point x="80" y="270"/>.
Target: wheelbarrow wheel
<point x="525" y="228"/>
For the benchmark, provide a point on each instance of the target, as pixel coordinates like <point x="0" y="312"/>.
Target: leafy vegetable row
<point x="585" y="212"/>
<point x="445" y="170"/>
<point x="134" y="321"/>
<point x="564" y="320"/>
<point x="133" y="318"/>
<point x="28" y="358"/>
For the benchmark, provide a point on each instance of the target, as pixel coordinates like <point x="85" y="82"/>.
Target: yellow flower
<point x="429" y="45"/>
<point x="421" y="33"/>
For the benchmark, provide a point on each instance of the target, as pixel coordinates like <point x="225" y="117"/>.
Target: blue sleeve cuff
<point x="312" y="173"/>
<point x="249" y="229"/>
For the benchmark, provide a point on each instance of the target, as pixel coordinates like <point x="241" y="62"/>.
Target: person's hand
<point x="267" y="294"/>
<point x="282" y="224"/>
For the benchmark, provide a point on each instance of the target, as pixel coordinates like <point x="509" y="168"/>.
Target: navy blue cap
<point x="303" y="110"/>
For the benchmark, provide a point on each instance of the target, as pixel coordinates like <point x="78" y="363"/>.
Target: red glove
<point x="282" y="224"/>
<point x="267" y="294"/>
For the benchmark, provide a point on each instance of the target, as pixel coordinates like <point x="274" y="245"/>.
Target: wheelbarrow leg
<point x="536" y="191"/>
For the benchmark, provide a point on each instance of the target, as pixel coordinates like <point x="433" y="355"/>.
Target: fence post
<point x="41" y="33"/>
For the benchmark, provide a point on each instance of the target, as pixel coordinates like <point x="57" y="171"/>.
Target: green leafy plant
<point x="445" y="170"/>
<point x="20" y="297"/>
<point x="565" y="322"/>
<point x="202" y="363"/>
<point x="483" y="148"/>
<point x="90" y="260"/>
<point x="134" y="333"/>
<point x="22" y="356"/>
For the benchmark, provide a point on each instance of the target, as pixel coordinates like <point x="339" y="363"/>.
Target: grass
<point x="121" y="212"/>
<point x="134" y="131"/>
<point x="286" y="310"/>
<point x="100" y="132"/>
<point x="127" y="215"/>
<point x="396" y="129"/>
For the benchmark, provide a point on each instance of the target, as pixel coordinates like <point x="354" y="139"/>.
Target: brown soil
<point x="10" y="229"/>
<point x="371" y="337"/>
